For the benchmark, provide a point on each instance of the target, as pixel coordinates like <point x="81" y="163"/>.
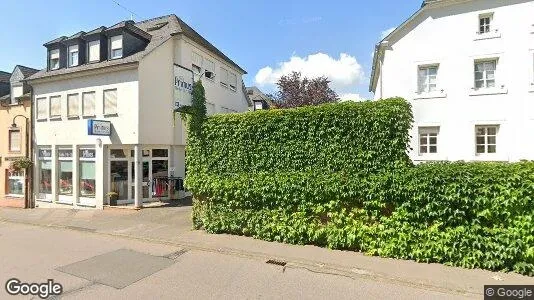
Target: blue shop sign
<point x="97" y="127"/>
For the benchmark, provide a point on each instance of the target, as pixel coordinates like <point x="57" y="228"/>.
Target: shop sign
<point x="64" y="153"/>
<point x="97" y="127"/>
<point x="45" y="152"/>
<point x="87" y="153"/>
<point x="183" y="86"/>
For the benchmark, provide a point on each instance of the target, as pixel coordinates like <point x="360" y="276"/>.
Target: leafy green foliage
<point x="196" y="113"/>
<point x="285" y="176"/>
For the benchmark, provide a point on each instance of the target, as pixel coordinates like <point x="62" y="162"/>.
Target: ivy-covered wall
<point x="338" y="176"/>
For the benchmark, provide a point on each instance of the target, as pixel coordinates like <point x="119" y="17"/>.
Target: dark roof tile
<point x="4" y="76"/>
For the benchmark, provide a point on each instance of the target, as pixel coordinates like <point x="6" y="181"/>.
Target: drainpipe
<point x="30" y="153"/>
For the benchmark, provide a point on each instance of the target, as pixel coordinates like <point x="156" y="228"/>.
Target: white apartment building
<point x="467" y="68"/>
<point x="104" y="116"/>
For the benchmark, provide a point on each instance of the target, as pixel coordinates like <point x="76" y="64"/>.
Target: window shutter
<point x="14" y="140"/>
<point x="41" y="108"/>
<point x="55" y="106"/>
<point x="210" y="66"/>
<point x="94" y="51"/>
<point x="54" y="54"/>
<point x="110" y="102"/>
<point x="224" y="76"/>
<point x="116" y="42"/>
<point x="88" y="105"/>
<point x="196" y="59"/>
<point x="233" y="81"/>
<point x="73" y="107"/>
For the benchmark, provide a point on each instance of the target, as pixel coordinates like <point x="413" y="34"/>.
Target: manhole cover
<point x="117" y="269"/>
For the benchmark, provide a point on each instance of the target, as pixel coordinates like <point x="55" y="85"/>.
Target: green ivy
<point x="338" y="176"/>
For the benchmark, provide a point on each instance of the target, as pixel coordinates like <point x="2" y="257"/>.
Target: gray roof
<point x="159" y="32"/>
<point x="254" y="94"/>
<point x="4" y="76"/>
<point x="27" y="71"/>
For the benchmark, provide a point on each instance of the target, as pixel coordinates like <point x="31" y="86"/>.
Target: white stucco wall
<point x="221" y="97"/>
<point x="447" y="36"/>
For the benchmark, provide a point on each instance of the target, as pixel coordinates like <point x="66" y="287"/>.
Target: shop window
<point x="117" y="153"/>
<point x="15" y="183"/>
<point x="45" y="171"/>
<point x="65" y="172"/>
<point x="87" y="179"/>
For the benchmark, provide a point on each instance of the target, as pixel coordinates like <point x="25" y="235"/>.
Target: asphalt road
<point x="92" y="266"/>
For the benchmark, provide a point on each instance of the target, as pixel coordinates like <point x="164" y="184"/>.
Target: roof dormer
<point x="96" y="45"/>
<point x="75" y="49"/>
<point x="125" y="39"/>
<point x="56" y="54"/>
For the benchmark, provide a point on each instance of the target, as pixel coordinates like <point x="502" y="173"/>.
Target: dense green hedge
<point x="462" y="214"/>
<point x="329" y="138"/>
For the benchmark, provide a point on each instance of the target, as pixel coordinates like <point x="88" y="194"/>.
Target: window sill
<point x="487" y="36"/>
<point x="73" y="117"/>
<point x="531" y="88"/>
<point x="488" y="91"/>
<point x="41" y="120"/>
<point x="111" y="115"/>
<point x="489" y="157"/>
<point x="14" y="196"/>
<point x="55" y="118"/>
<point x="429" y="157"/>
<point x="89" y="116"/>
<point x="430" y="95"/>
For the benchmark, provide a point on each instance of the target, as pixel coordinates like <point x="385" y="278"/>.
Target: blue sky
<point x="334" y="38"/>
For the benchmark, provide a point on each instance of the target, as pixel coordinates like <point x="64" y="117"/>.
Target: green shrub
<point x="473" y="215"/>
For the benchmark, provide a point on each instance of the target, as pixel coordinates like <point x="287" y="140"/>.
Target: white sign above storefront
<point x="183" y="86"/>
<point x="96" y="127"/>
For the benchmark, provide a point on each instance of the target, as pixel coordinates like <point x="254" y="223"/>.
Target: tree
<point x="294" y="91"/>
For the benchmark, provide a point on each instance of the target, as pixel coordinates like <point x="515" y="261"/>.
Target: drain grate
<point x="176" y="254"/>
<point x="277" y="262"/>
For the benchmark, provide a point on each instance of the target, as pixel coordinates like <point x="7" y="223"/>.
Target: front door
<point x="146" y="179"/>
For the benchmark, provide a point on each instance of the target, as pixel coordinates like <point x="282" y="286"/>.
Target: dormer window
<point x="73" y="55"/>
<point x="93" y="50"/>
<point x="116" y="46"/>
<point x="54" y="59"/>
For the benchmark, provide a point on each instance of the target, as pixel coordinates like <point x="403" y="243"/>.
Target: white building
<point x="104" y="110"/>
<point x="466" y="66"/>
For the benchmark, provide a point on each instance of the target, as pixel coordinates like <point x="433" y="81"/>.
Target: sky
<point x="268" y="38"/>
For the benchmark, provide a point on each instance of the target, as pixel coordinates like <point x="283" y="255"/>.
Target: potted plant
<point x="113" y="197"/>
<point x="21" y="164"/>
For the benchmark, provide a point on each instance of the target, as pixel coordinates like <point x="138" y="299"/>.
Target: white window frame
<point x="196" y="62"/>
<point x="110" y="113"/>
<point x="43" y="196"/>
<point x="89" y="44"/>
<point x="41" y="103"/>
<point x="71" y="50"/>
<point x="53" y="55"/>
<point x="486" y="136"/>
<point x="485" y="28"/>
<point x="224" y="77"/>
<point x="16" y="175"/>
<point x="56" y="116"/>
<point x="232" y="78"/>
<point x="427" y="133"/>
<point x="427" y="79"/>
<point x="10" y="141"/>
<point x="485" y="78"/>
<point x="115" y="48"/>
<point x="75" y="97"/>
<point x="209" y="69"/>
<point x="84" y="113"/>
<point x="85" y="200"/>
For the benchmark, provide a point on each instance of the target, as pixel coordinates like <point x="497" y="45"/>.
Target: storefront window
<point x="65" y="172"/>
<point x="119" y="178"/>
<point x="87" y="173"/>
<point x="15" y="183"/>
<point x="45" y="171"/>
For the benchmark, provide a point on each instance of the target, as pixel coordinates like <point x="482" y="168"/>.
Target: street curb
<point x="310" y="265"/>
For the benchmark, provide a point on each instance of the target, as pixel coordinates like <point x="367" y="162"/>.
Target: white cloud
<point x="351" y="97"/>
<point x="343" y="72"/>
<point x="386" y="32"/>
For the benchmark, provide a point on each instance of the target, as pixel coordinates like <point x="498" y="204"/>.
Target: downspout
<point x="30" y="153"/>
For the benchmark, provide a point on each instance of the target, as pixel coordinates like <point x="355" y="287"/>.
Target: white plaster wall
<point x="74" y="131"/>
<point x="446" y="36"/>
<point x="221" y="97"/>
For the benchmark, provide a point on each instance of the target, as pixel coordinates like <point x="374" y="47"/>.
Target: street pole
<point x="27" y="177"/>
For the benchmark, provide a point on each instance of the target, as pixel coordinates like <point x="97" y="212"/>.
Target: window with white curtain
<point x="73" y="105"/>
<point x="53" y="61"/>
<point x="88" y="104"/>
<point x="73" y="55"/>
<point x="115" y="46"/>
<point x="41" y="108"/>
<point x="110" y="102"/>
<point x="94" y="51"/>
<point x="55" y="107"/>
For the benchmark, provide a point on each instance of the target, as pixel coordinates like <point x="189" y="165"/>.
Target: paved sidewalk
<point x="172" y="226"/>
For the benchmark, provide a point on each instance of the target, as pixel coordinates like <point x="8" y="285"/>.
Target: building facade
<point x="15" y="136"/>
<point x="104" y="111"/>
<point x="467" y="68"/>
<point x="257" y="100"/>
